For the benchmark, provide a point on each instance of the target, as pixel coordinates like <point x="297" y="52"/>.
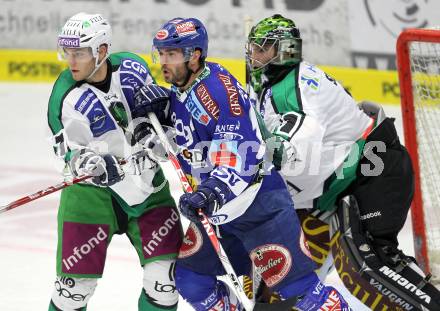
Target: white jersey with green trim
<point x="321" y="120"/>
<point x="80" y="117"/>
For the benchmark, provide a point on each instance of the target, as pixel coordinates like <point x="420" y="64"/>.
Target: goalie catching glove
<point x="105" y="169"/>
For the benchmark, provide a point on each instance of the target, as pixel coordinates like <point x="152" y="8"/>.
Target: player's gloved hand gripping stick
<point x="237" y="286"/>
<point x="62" y="185"/>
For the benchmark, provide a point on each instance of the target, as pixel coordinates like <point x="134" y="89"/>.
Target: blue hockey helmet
<point x="187" y="34"/>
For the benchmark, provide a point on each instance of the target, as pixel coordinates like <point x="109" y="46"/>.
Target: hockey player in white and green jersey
<point x="90" y="115"/>
<point x="328" y="147"/>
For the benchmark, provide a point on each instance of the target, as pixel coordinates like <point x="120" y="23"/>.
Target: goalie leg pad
<point x="159" y="284"/>
<point x="72" y="293"/>
<point x="368" y="277"/>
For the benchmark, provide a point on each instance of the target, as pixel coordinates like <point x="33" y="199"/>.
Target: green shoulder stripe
<point x="63" y="85"/>
<point x="341" y="179"/>
<point x="286" y="94"/>
<point x="115" y="60"/>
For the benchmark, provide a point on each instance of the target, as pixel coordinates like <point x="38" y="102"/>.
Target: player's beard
<point x="175" y="76"/>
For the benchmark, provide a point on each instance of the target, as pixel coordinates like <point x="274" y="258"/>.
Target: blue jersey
<point x="218" y="136"/>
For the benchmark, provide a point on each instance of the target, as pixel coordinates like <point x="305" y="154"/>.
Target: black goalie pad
<point x="378" y="285"/>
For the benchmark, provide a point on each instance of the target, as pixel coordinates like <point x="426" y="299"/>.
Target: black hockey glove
<point x="209" y="197"/>
<point x="151" y="98"/>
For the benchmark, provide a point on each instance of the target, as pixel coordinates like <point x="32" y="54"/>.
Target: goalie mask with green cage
<point x="274" y="40"/>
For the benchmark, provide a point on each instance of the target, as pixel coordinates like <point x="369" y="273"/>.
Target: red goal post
<point x="418" y="65"/>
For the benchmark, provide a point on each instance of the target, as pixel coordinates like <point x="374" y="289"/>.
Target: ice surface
<point x="28" y="233"/>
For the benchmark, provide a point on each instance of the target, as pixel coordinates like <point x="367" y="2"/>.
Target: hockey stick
<point x="59" y="186"/>
<point x="237" y="287"/>
<point x="42" y="193"/>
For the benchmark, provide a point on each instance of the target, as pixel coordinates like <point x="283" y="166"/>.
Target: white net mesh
<point x="425" y="69"/>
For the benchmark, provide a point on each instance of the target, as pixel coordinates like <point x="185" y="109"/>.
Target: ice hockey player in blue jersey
<point x="222" y="153"/>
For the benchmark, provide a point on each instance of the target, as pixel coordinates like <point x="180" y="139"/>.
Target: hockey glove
<point x="209" y="197"/>
<point x="145" y="135"/>
<point x="279" y="151"/>
<point x="151" y="98"/>
<point x="105" y="170"/>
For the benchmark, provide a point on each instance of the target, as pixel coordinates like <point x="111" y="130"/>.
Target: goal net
<point x="418" y="63"/>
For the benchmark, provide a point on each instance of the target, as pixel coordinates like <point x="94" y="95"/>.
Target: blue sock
<point x="299" y="287"/>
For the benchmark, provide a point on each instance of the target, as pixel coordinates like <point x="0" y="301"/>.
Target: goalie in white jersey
<point x="328" y="148"/>
<point x="90" y="114"/>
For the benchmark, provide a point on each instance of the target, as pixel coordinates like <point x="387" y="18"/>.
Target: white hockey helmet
<point x="85" y="30"/>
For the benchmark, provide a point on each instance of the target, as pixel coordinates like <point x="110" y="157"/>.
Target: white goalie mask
<point x="84" y="31"/>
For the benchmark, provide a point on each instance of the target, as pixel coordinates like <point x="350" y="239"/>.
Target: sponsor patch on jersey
<point x="218" y="219"/>
<point x="310" y="67"/>
<point x="186" y="29"/>
<point x="225" y="153"/>
<point x="196" y="109"/>
<point x="230" y="178"/>
<point x="85" y="100"/>
<point x="205" y="98"/>
<point x="161" y="34"/>
<point x="311" y="82"/>
<point x="135" y="67"/>
<point x="333" y="302"/>
<point x="194" y="157"/>
<point x="100" y="120"/>
<point x="232" y="93"/>
<point x="68" y="42"/>
<point x="272" y="261"/>
<point x="220" y="128"/>
<point x="230" y="136"/>
<point x="192" y="242"/>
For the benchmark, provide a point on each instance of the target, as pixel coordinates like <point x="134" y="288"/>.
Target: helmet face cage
<point x="273" y="33"/>
<point x="262" y="51"/>
<point x="287" y="50"/>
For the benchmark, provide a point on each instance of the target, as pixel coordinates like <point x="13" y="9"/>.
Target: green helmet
<point x="275" y="33"/>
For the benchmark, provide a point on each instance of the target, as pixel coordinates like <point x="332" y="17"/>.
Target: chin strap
<point x="97" y="66"/>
